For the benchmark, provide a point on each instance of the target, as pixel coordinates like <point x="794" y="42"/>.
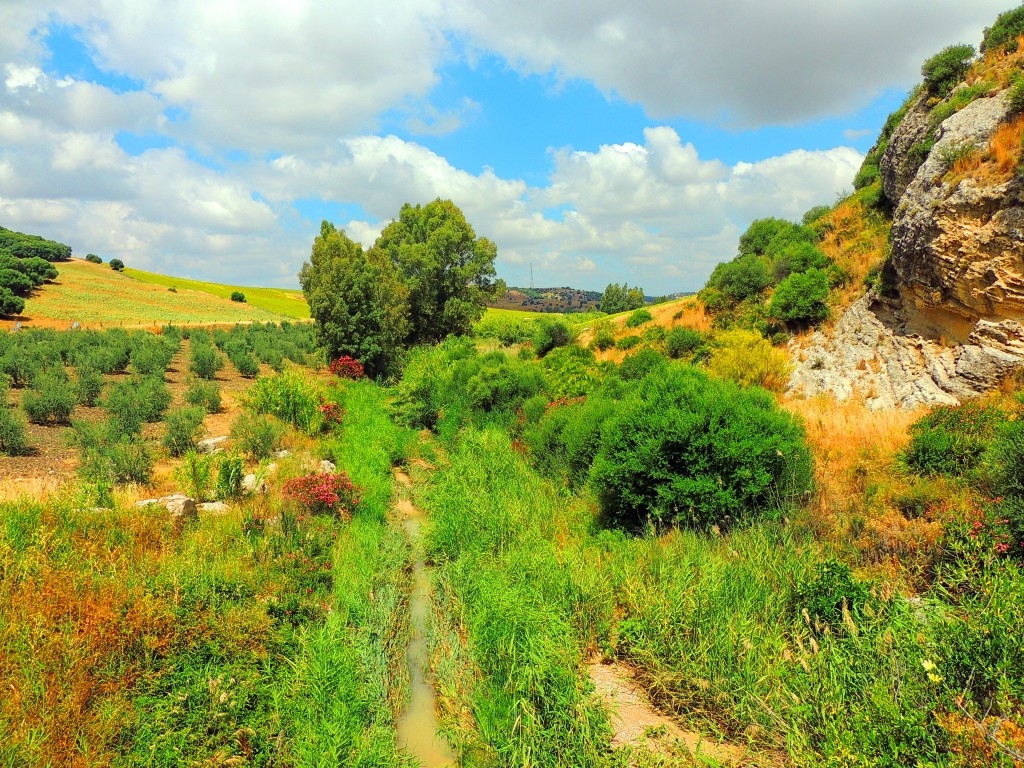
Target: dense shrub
<point x="17" y="283"/>
<point x="324" y="493"/>
<point x="150" y="355"/>
<point x="627" y="342"/>
<point x="603" y="337"/>
<point x="13" y="440"/>
<point x="238" y="296"/>
<point x="638" y="318"/>
<point x="52" y="398"/>
<point x="827" y="593"/>
<point x="195" y="474"/>
<point x="92" y="258"/>
<point x="947" y="68"/>
<point x="184" y="428"/>
<point x="230" y="472"/>
<point x="204" y="359"/>
<point x="571" y="371"/>
<point x="683" y="341"/>
<point x="549" y="334"/>
<point x="638" y="365"/>
<point x="567" y="436"/>
<point x="346" y="367"/>
<point x="744" y="277"/>
<point x="110" y="457"/>
<point x="137" y="401"/>
<point x="117" y="265"/>
<point x="246" y="365"/>
<point x="204" y="394"/>
<point x="749" y="359"/>
<point x="290" y="397"/>
<point x="688" y="450"/>
<point x="88" y="385"/>
<point x="802" y="298"/>
<point x="1005" y="31"/>
<point x="952" y="439"/>
<point x="503" y="383"/>
<point x="257" y="436"/>
<point x="9" y="303"/>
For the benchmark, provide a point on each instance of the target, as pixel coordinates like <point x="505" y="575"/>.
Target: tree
<point x="92" y="258"/>
<point x="9" y="303"/>
<point x="621" y="298"/>
<point x="359" y="305"/>
<point x="117" y="265"/>
<point x="238" y="296"/>
<point x="446" y="269"/>
<point x="802" y="298"/>
<point x="946" y="68"/>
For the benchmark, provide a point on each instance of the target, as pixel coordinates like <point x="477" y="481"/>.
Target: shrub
<point x="150" y="357"/>
<point x="204" y="361"/>
<point x="50" y="399"/>
<point x="346" y="367"/>
<point x="10" y="304"/>
<point x="831" y="590"/>
<point x="13" y="440"/>
<point x="203" y="394"/>
<point x="571" y="371"/>
<point x="246" y="365"/>
<point x="503" y="384"/>
<point x="1005" y="31"/>
<point x="238" y="296"/>
<point x="291" y="398"/>
<point x="184" y="428"/>
<point x="92" y="258"/>
<point x="603" y="337"/>
<point x="195" y="474"/>
<point x="947" y="68"/>
<point x="117" y="265"/>
<point x="687" y="450"/>
<point x="638" y="365"/>
<point x="137" y="401"/>
<point x="638" y="318"/>
<point x="257" y="436"/>
<point x="324" y="493"/>
<point x="1015" y="95"/>
<point x="88" y="385"/>
<point x="950" y="440"/>
<point x="131" y="461"/>
<point x="230" y="471"/>
<point x="550" y="334"/>
<point x="749" y="359"/>
<point x="16" y="282"/>
<point x="627" y="342"/>
<point x="802" y="298"/>
<point x="682" y="341"/>
<point x="741" y="278"/>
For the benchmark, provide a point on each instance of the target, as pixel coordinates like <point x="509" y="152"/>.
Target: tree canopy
<point x="621" y="298"/>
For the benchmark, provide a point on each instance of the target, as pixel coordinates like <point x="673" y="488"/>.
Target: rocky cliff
<point x="948" y="322"/>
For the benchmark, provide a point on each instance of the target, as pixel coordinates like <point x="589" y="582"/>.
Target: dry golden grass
<point x="681" y="313"/>
<point x="856" y="241"/>
<point x="998" y="66"/>
<point x="999" y="161"/>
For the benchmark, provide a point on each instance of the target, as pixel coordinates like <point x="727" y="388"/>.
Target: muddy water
<point x="417" y="727"/>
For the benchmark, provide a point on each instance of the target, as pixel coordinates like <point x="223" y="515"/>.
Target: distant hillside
<point x="548" y="300"/>
<point x="94" y="295"/>
<point x="281" y="301"/>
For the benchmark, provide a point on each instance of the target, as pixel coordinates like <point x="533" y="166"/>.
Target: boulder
<point x="214" y="507"/>
<point x="212" y="444"/>
<point x="327" y="466"/>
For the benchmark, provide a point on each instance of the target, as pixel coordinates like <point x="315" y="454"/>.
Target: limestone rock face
<point x="955" y="325"/>
<point x="898" y="165"/>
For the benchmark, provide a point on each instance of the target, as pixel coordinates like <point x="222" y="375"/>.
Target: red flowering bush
<point x="564" y="401"/>
<point x="347" y="368"/>
<point x="977" y="527"/>
<point x="324" y="493"/>
<point x="332" y="413"/>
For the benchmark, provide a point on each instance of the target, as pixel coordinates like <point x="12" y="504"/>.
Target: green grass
<point x="279" y="301"/>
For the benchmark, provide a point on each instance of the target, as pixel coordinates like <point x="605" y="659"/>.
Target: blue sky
<point x="599" y="143"/>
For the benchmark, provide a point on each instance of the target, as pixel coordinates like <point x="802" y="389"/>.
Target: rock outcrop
<point x="952" y="322"/>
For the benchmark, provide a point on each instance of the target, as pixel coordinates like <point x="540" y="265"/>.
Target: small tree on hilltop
<point x="117" y="265"/>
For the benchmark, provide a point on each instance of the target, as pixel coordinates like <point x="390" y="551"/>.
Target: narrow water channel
<point x="417" y="727"/>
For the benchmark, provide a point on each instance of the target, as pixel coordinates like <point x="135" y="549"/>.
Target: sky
<point x="595" y="141"/>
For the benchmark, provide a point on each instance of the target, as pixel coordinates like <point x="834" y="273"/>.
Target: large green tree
<point x="621" y="298"/>
<point x="447" y="270"/>
<point x="359" y="305"/>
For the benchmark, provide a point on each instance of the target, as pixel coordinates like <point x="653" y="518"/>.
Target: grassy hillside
<point x="280" y="301"/>
<point x="95" y="295"/>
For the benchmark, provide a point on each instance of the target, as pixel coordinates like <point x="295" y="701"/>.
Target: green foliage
<point x="204" y="394"/>
<point x="628" y="342"/>
<point x="259" y="437"/>
<point x="950" y="440"/>
<point x="621" y="298"/>
<point x="291" y="397"/>
<point x="1015" y="94"/>
<point x="137" y="401"/>
<point x="152" y="354"/>
<point x="117" y="265"/>
<point x="947" y="68"/>
<point x="92" y="258"/>
<point x="503" y="383"/>
<point x="238" y="296"/>
<point x="204" y="360"/>
<point x="815" y="213"/>
<point x="360" y="306"/>
<point x="16" y="282"/>
<point x="1005" y="31"/>
<point x="639" y="365"/>
<point x="230" y="473"/>
<point x="446" y="270"/>
<point x="88" y="384"/>
<point x="802" y="298"/>
<point x="959" y="99"/>
<point x="638" y="318"/>
<point x="829" y="591"/>
<point x="51" y="398"/>
<point x="37" y="269"/>
<point x="195" y="474"/>
<point x="748" y="359"/>
<point x="604" y="338"/>
<point x="571" y="371"/>
<point x="184" y="428"/>
<point x="13" y="439"/>
<point x="683" y="341"/>
<point x="687" y="450"/>
<point x="742" y="278"/>
<point x="24" y="246"/>
<point x="549" y="334"/>
<point x="10" y="304"/>
<point x="111" y="456"/>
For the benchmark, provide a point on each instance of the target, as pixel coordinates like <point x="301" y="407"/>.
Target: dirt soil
<point x="637" y="724"/>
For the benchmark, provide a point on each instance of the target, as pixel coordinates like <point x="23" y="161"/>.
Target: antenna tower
<point x="531" y="276"/>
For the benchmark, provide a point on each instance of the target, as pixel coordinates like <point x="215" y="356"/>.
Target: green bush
<point x="802" y="298"/>
<point x="117" y="265"/>
<point x="195" y="474"/>
<point x="687" y="450"/>
<point x="184" y="429"/>
<point x="290" y="397"/>
<point x="204" y="360"/>
<point x="947" y="68"/>
<point x="92" y="258"/>
<point x="17" y="283"/>
<point x="1015" y="95"/>
<point x="549" y="334"/>
<point x="565" y="440"/>
<point x="503" y="384"/>
<point x="638" y="318"/>
<point x="627" y="342"/>
<point x="257" y="436"/>
<point x="204" y="394"/>
<point x="1005" y="31"/>
<point x="88" y="385"/>
<point x="683" y="341"/>
<point x="831" y="588"/>
<point x="150" y="355"/>
<point x="571" y="371"/>
<point x="140" y="400"/>
<point x="230" y="471"/>
<point x="952" y="439"/>
<point x="603" y="337"/>
<point x="52" y="398"/>
<point x="247" y="365"/>
<point x="10" y="304"/>
<point x="238" y="296"/>
<point x="13" y="440"/>
<point x="749" y="359"/>
<point x="638" y="365"/>
<point x="741" y="278"/>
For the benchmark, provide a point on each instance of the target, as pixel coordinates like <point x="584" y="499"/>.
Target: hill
<point x="562" y="300"/>
<point x="280" y="301"/>
<point x="95" y="296"/>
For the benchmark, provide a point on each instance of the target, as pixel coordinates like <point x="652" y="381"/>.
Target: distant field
<point x="280" y="301"/>
<point x="96" y="296"/>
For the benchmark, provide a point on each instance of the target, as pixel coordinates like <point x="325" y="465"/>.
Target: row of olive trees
<point x="428" y="276"/>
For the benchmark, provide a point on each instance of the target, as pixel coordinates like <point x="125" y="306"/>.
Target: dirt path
<point x="418" y="725"/>
<point x="637" y="724"/>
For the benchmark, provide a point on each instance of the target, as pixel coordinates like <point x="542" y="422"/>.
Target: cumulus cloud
<point x="743" y="61"/>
